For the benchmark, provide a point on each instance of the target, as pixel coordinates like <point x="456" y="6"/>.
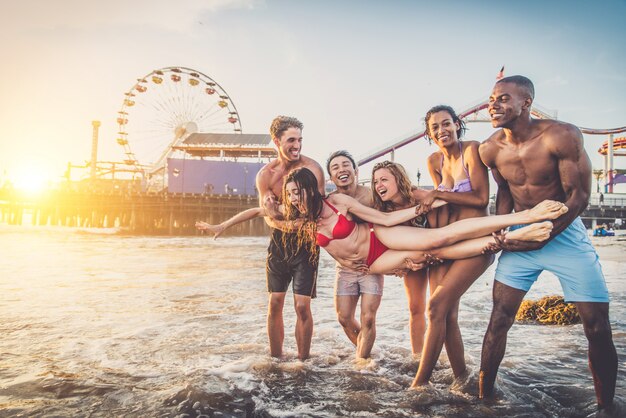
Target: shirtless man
<point x="532" y="160"/>
<point x="350" y="285"/>
<point x="284" y="263"/>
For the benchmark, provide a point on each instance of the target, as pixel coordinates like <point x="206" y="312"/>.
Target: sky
<point x="359" y="74"/>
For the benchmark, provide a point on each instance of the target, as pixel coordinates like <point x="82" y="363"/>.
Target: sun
<point x="30" y="180"/>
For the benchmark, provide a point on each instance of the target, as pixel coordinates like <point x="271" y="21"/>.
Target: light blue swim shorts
<point x="570" y="256"/>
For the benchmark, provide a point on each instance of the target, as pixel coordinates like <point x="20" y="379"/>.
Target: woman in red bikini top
<point x="341" y="230"/>
<point x="372" y="242"/>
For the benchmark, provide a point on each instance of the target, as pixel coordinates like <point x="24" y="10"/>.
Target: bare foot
<point x="534" y="232"/>
<point x="548" y="209"/>
<point x="421" y="387"/>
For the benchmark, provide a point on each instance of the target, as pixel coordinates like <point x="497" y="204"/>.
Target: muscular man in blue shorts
<point x="532" y="160"/>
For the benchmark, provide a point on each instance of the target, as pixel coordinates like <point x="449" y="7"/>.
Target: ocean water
<point x="95" y="323"/>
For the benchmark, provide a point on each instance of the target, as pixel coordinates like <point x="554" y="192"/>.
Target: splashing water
<point x="100" y="324"/>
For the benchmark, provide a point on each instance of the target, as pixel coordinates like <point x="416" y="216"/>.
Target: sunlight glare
<point x="30" y="179"/>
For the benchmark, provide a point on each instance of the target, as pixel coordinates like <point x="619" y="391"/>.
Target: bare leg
<point x="275" y="326"/>
<point x="304" y="325"/>
<point x="453" y="339"/>
<point x="472" y="247"/>
<point x="346" y="308"/>
<point x="454" y="342"/>
<point x="367" y="336"/>
<point x="407" y="238"/>
<point x="442" y="317"/>
<point x="506" y="302"/>
<point x="394" y="259"/>
<point x="534" y="232"/>
<point x="415" y="285"/>
<point x="602" y="354"/>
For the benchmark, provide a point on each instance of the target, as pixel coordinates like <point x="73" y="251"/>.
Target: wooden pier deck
<point x="135" y="213"/>
<point x="176" y="214"/>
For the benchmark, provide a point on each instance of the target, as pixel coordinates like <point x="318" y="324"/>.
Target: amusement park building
<point x="220" y="164"/>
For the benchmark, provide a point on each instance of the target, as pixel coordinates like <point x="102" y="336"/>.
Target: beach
<point x="98" y="323"/>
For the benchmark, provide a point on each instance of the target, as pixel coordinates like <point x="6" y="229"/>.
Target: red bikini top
<point x="342" y="228"/>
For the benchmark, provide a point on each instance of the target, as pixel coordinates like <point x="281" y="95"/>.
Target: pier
<point x="132" y="212"/>
<point x="613" y="207"/>
<point x="176" y="213"/>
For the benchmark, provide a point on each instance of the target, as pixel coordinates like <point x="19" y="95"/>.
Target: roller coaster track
<point x="590" y="131"/>
<point x="475" y="111"/>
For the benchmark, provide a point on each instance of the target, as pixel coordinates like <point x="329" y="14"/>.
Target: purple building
<point x="221" y="164"/>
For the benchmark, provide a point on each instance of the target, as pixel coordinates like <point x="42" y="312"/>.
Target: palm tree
<point x="598" y="174"/>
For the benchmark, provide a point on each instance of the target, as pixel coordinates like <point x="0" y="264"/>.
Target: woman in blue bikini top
<point x="459" y="175"/>
<point x="460" y="179"/>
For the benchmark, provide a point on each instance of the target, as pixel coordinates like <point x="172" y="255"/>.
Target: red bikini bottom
<point x="377" y="248"/>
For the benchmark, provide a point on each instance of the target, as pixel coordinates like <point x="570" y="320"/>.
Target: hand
<point x="216" y="230"/>
<point x="432" y="260"/>
<point x="414" y="266"/>
<point x="491" y="248"/>
<point x="271" y="206"/>
<point x="421" y="210"/>
<point x="360" y="266"/>
<point x="400" y="272"/>
<point x="426" y="202"/>
<point x="494" y="247"/>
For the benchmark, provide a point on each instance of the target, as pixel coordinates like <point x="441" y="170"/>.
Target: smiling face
<point x="443" y="129"/>
<point x="385" y="184"/>
<point x="507" y="103"/>
<point x="341" y="171"/>
<point x="290" y="144"/>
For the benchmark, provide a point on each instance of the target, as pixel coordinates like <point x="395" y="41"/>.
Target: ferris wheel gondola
<point x="162" y="108"/>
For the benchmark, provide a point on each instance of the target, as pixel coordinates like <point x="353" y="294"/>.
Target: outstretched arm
<point x="349" y="204"/>
<point x="426" y="201"/>
<point x="217" y="230"/>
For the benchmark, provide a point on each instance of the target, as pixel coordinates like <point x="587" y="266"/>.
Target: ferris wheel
<point x="162" y="108"/>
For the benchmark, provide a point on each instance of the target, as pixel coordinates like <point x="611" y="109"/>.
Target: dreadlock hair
<point x="404" y="186"/>
<point x="306" y="183"/>
<point x="444" y="108"/>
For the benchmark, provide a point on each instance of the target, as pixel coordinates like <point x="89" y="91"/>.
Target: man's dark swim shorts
<point x="287" y="262"/>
